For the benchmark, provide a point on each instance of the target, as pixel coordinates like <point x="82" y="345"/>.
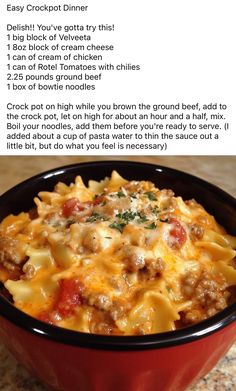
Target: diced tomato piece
<point x="178" y="235"/>
<point x="69" y="297"/>
<point x="71" y="206"/>
<point x="98" y="200"/>
<point x="45" y="317"/>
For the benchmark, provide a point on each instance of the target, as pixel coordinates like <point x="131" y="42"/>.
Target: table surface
<point x="219" y="170"/>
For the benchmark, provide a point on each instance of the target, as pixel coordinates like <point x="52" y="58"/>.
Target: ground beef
<point x="29" y="272"/>
<point x="11" y="252"/>
<point x="136" y="259"/>
<point x="155" y="266"/>
<point x="196" y="232"/>
<point x="208" y="295"/>
<point x="189" y="282"/>
<point x="133" y="257"/>
<point x="100" y="301"/>
<point x="139" y="186"/>
<point x="101" y="323"/>
<point x="211" y="294"/>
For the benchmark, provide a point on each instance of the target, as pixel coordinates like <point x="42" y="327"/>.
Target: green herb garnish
<point x="96" y="217"/>
<point x="118" y="226"/>
<point x="151" y="196"/>
<point x="155" y="210"/>
<point x="127" y="216"/>
<point x="120" y="194"/>
<point x="142" y="219"/>
<point x="151" y="226"/>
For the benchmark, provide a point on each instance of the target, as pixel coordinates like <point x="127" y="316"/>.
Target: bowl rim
<point x="122" y="343"/>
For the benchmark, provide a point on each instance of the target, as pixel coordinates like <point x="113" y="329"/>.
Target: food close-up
<point x="116" y="275"/>
<point x="119" y="257"/>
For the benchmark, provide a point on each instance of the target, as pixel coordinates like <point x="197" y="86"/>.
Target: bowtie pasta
<point x="117" y="257"/>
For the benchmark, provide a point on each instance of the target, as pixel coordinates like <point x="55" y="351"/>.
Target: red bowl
<point x="68" y="360"/>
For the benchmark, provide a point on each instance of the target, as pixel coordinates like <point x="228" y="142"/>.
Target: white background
<point x="186" y="50"/>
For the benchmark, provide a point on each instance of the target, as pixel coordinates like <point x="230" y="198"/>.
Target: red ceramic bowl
<point x="68" y="360"/>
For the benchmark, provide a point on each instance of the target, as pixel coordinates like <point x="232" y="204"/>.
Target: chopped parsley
<point x="151" y="226"/>
<point x="133" y="195"/>
<point x="127" y="216"/>
<point x="118" y="226"/>
<point x="96" y="217"/>
<point x="155" y="210"/>
<point x="151" y="196"/>
<point x="142" y="219"/>
<point x="120" y="194"/>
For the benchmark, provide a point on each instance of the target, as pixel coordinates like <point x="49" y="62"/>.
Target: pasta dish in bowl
<point x="118" y="257"/>
<point x="116" y="275"/>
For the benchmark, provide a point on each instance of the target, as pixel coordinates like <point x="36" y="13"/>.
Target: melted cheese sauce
<point x="119" y="257"/>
